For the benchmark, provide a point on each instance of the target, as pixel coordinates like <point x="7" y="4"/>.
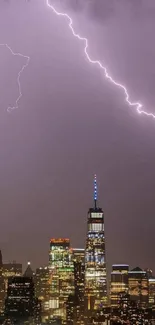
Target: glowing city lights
<point x="95" y="188"/>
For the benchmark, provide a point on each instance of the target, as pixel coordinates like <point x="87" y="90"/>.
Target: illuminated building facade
<point x="95" y="263"/>
<point x="7" y="270"/>
<point x="79" y="278"/>
<point x="138" y="287"/>
<point x="79" y="254"/>
<point x="75" y="302"/>
<point x="10" y="270"/>
<point x="130" y="312"/>
<point x="72" y="304"/>
<point x="119" y="283"/>
<point x="151" y="292"/>
<point x="61" y="272"/>
<point x="2" y="285"/>
<point x="42" y="287"/>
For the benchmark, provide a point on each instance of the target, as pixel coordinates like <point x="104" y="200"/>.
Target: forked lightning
<point x="137" y="105"/>
<point x="10" y="108"/>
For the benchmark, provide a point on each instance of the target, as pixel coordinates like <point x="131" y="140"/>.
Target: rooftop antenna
<point x="95" y="191"/>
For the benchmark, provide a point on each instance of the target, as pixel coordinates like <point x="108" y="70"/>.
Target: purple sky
<point x="72" y="123"/>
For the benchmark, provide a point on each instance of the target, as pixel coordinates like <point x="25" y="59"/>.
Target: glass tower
<point x="139" y="287"/>
<point x="95" y="263"/>
<point x="61" y="272"/>
<point x="119" y="283"/>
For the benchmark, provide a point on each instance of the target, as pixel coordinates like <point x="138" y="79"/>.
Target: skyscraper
<point x="138" y="287"/>
<point x="21" y="305"/>
<point x="95" y="262"/>
<point x="79" y="273"/>
<point x="151" y="284"/>
<point x="72" y="305"/>
<point x="78" y="254"/>
<point x="61" y="272"/>
<point x="119" y="283"/>
<point x="41" y="283"/>
<point x="2" y="285"/>
<point x="10" y="270"/>
<point x="151" y="292"/>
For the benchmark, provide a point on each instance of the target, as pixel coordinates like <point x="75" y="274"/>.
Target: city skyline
<point x="72" y="289"/>
<point x="72" y="123"/>
<point x="95" y="199"/>
<point x="94" y="224"/>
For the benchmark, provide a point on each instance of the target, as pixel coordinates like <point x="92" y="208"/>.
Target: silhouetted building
<point x="28" y="272"/>
<point x="119" y="283"/>
<point x="95" y="262"/>
<point x="21" y="305"/>
<point x="138" y="287"/>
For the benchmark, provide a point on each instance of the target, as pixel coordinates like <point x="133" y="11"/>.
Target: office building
<point x="79" y="284"/>
<point x="42" y="289"/>
<point x="129" y="312"/>
<point x="61" y="277"/>
<point x="95" y="261"/>
<point x="11" y="270"/>
<point x="72" y="306"/>
<point x="139" y="287"/>
<point x="7" y="270"/>
<point x="151" y="282"/>
<point x="21" y="305"/>
<point x="119" y="283"/>
<point x="2" y="285"/>
<point x="79" y="254"/>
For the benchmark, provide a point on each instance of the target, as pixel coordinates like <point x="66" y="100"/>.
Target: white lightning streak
<point x="10" y="108"/>
<point x="137" y="105"/>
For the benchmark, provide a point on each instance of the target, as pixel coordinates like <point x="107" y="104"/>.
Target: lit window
<point x="96" y="227"/>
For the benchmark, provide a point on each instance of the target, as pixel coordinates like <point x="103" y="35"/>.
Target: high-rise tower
<point x="95" y="263"/>
<point x="2" y="285"/>
<point x="139" y="287"/>
<point x="61" y="272"/>
<point x="119" y="283"/>
<point x="21" y="306"/>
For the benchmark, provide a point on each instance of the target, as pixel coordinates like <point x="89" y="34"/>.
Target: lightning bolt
<point x="137" y="105"/>
<point x="10" y="108"/>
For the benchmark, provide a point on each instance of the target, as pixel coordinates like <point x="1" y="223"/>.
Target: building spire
<point x="95" y="191"/>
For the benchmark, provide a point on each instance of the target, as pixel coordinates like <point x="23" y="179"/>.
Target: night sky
<point x="72" y="123"/>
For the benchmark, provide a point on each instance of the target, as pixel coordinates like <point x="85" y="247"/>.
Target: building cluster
<point x="72" y="289"/>
<point x="18" y="301"/>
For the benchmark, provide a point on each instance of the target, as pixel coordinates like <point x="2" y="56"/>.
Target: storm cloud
<point x="72" y="123"/>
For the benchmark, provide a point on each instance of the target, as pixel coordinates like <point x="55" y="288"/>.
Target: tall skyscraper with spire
<point x="95" y="262"/>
